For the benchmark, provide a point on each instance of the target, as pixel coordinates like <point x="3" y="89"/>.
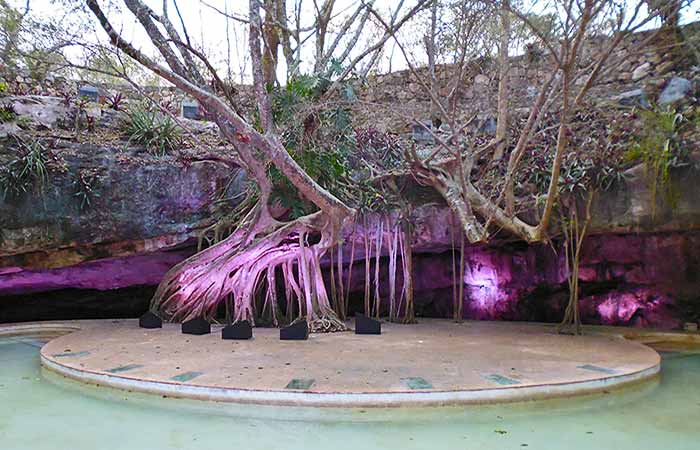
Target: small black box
<point x="296" y="332"/>
<point x="196" y="326"/>
<point x="239" y="330"/>
<point x="150" y="320"/>
<point x="366" y="325"/>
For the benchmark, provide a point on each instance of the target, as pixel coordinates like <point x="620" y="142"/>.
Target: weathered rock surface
<point x="641" y="258"/>
<point x="139" y="204"/>
<point x="676" y="89"/>
<point x="637" y="263"/>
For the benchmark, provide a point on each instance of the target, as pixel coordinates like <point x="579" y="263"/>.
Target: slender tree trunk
<point x="431" y="49"/>
<point x="574" y="236"/>
<point x="271" y="42"/>
<point x="502" y="120"/>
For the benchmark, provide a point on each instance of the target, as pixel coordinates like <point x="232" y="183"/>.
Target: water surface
<point x="39" y="410"/>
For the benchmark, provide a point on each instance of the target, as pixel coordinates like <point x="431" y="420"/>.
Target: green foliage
<point x="322" y="140"/>
<point x="7" y="113"/>
<point x="84" y="187"/>
<point x="24" y="122"/>
<point x="658" y="148"/>
<point x="327" y="167"/>
<point x="3" y="87"/>
<point x="10" y="26"/>
<point x="157" y="132"/>
<point x="28" y="44"/>
<point x="545" y="24"/>
<point x="103" y="62"/>
<point x="319" y="140"/>
<point x="25" y="173"/>
<point x="298" y="92"/>
<point x="40" y="62"/>
<point x="580" y="170"/>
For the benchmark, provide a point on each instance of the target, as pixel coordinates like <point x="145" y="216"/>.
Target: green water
<point x="40" y="411"/>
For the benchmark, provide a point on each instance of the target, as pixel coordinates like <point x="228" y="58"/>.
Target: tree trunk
<point x="431" y="48"/>
<point x="502" y="120"/>
<point x="271" y="42"/>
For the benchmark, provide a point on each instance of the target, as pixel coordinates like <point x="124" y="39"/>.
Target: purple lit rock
<point x="105" y="274"/>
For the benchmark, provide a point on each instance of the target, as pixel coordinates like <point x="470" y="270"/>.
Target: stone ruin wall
<point x="639" y="63"/>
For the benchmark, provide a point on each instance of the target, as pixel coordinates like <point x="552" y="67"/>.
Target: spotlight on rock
<point x="366" y="325"/>
<point x="150" y="320"/>
<point x="196" y="326"/>
<point x="295" y="332"/>
<point x="238" y="331"/>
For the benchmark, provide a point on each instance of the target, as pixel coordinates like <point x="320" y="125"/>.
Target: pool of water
<point x="39" y="410"/>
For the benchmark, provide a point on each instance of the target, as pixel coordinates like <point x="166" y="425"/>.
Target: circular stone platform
<point x="435" y="362"/>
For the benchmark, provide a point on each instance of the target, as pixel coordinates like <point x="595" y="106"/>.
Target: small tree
<point x="484" y="206"/>
<point x="259" y="246"/>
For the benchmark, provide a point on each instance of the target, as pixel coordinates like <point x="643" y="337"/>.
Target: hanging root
<point x="245" y="262"/>
<point x="328" y="324"/>
<point x="574" y="235"/>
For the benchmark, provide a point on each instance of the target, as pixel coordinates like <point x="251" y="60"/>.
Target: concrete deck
<point x="435" y="362"/>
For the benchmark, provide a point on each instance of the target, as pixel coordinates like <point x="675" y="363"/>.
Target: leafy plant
<point x="3" y="87"/>
<point x="658" y="149"/>
<point x="84" y="186"/>
<point x="325" y="166"/>
<point x="158" y="133"/>
<point x="24" y="122"/>
<point x="168" y="105"/>
<point x="115" y="102"/>
<point x="7" y="113"/>
<point x="25" y="173"/>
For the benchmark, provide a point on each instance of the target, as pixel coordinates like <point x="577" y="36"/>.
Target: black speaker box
<point x="196" y="326"/>
<point x="239" y="330"/>
<point x="150" y="320"/>
<point x="367" y="325"/>
<point x="296" y="332"/>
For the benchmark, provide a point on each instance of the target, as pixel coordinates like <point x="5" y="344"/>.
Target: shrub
<point x="115" y="102"/>
<point x="158" y="133"/>
<point x="659" y="147"/>
<point x="84" y="186"/>
<point x="7" y="113"/>
<point x="25" y="173"/>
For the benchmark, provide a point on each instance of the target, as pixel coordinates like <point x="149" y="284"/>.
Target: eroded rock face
<point x="628" y="277"/>
<point x="631" y="279"/>
<point x="137" y="205"/>
<point x="104" y="274"/>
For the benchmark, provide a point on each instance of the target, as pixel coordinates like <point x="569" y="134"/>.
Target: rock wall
<point x="629" y="275"/>
<point x="639" y="266"/>
<point x="137" y="204"/>
<point x="631" y="279"/>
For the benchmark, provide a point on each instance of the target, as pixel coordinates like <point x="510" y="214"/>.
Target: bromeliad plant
<point x="157" y="132"/>
<point x="115" y="101"/>
<point x="26" y="173"/>
<point x="7" y="113"/>
<point x="84" y="186"/>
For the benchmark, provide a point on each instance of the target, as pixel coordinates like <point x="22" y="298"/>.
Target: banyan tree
<point x="262" y="260"/>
